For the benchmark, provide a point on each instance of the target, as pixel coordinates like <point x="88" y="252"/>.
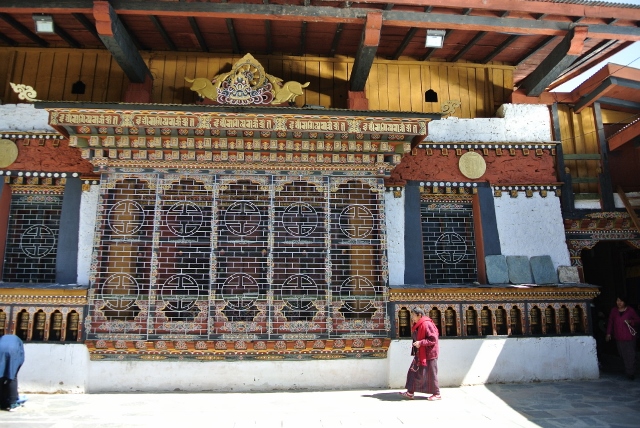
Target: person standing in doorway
<point x="11" y="359"/>
<point x="623" y="322"/>
<point x="423" y="372"/>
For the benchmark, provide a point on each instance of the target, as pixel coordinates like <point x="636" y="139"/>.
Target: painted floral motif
<point x="141" y="344"/>
<point x="357" y="343"/>
<point x="280" y="345"/>
<point x="240" y="345"/>
<point x="260" y="346"/>
<point x="338" y="344"/>
<point x="318" y="344"/>
<point x="181" y="345"/>
<point x="161" y="345"/>
<point x="221" y="345"/>
<point x="101" y="344"/>
<point x="201" y="345"/>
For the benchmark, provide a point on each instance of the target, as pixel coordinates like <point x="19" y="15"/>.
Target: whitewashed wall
<point x="23" y="117"/>
<point x="532" y="227"/>
<point x="394" y="219"/>
<point x="66" y="368"/>
<point x="516" y="123"/>
<point x="88" y="209"/>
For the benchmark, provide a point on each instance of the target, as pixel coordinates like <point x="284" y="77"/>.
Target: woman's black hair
<point x="623" y="298"/>
<point x="418" y="311"/>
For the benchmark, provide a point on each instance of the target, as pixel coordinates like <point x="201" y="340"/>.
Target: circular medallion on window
<point x="356" y="221"/>
<point x="119" y="291"/>
<point x="37" y="241"/>
<point x="300" y="219"/>
<point x="451" y="247"/>
<point x="126" y="217"/>
<point x="242" y="218"/>
<point x="184" y="218"/>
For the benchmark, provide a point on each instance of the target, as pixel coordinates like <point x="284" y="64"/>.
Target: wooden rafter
<point x="163" y="33"/>
<point x="196" y="31"/>
<point x="23" y="30"/>
<point x="560" y="58"/>
<point x="8" y="40"/>
<point x="366" y="52"/>
<point x="117" y="40"/>
<point x="88" y="25"/>
<point x="625" y="135"/>
<point x="405" y="42"/>
<point x="336" y="40"/>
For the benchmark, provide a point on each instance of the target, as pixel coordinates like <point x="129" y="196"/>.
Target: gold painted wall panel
<point x="579" y="136"/>
<point x="392" y="85"/>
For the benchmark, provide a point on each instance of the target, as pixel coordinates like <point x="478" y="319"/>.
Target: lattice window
<point x="31" y="247"/>
<point x="448" y="241"/>
<point x="239" y="257"/>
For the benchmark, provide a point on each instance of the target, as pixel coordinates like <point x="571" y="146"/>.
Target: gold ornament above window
<point x="247" y="84"/>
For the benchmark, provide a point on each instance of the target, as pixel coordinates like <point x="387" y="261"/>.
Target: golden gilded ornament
<point x="472" y="165"/>
<point x="8" y="153"/>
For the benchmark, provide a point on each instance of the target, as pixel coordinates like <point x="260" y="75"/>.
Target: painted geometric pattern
<point x="202" y="258"/>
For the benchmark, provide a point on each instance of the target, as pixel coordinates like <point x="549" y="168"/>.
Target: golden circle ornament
<point x="472" y="165"/>
<point x="8" y="152"/>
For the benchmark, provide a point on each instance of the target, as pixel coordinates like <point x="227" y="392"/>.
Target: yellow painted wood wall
<point x="392" y="85"/>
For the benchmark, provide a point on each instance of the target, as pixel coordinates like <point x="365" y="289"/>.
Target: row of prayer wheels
<point x="40" y="329"/>
<point x="564" y="320"/>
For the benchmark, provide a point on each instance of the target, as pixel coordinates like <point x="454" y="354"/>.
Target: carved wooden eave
<point x="243" y="139"/>
<point x="43" y="296"/>
<point x="580" y="292"/>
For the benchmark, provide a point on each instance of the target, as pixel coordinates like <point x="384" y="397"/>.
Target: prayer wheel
<point x="550" y="320"/>
<point x="576" y="315"/>
<point x="485" y="321"/>
<point x="563" y="319"/>
<point x="404" y="329"/>
<point x="534" y="316"/>
<point x="471" y="322"/>
<point x="450" y="322"/>
<point x="514" y="317"/>
<point x="434" y="314"/>
<point x="501" y="324"/>
<point x="3" y="322"/>
<point x="23" y="325"/>
<point x="56" y="326"/>
<point x="72" y="326"/>
<point x="38" y="326"/>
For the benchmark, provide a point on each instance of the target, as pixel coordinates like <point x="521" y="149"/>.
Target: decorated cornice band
<point x="528" y="190"/>
<point x="500" y="149"/>
<point x="239" y="141"/>
<point x="493" y="294"/>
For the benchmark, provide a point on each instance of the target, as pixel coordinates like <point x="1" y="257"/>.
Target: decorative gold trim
<point x="492" y="294"/>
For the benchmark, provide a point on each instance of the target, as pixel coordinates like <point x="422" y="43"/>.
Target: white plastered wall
<point x="531" y="227"/>
<point x="394" y="219"/>
<point x="53" y="368"/>
<point x="88" y="209"/>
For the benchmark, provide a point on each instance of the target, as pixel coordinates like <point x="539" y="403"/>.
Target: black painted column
<point x="490" y="237"/>
<point x="413" y="258"/>
<point x="67" y="254"/>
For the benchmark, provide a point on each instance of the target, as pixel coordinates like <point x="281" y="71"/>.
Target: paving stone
<point x="519" y="270"/>
<point x="497" y="270"/>
<point x="543" y="270"/>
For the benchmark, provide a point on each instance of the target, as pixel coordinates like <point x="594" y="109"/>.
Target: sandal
<point x="435" y="397"/>
<point x="406" y="394"/>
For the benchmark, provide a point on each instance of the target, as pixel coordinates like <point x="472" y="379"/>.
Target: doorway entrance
<point x="615" y="267"/>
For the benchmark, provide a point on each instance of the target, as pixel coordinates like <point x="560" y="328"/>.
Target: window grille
<point x="448" y="241"/>
<point x="182" y="256"/>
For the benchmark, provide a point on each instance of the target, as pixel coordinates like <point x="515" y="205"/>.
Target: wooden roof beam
<point x="87" y="24"/>
<point x="303" y="38"/>
<point x="405" y="42"/>
<point x="196" y="31"/>
<point x="597" y="10"/>
<point x="468" y="46"/>
<point x="366" y="52"/>
<point x="23" y="30"/>
<point x="117" y="40"/>
<point x="555" y="63"/>
<point x="336" y="40"/>
<point x="625" y="135"/>
<point x="163" y="33"/>
<point x="8" y="40"/>
<point x="66" y="37"/>
<point x="499" y="49"/>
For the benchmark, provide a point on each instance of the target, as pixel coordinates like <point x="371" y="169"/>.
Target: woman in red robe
<point x="423" y="372"/>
